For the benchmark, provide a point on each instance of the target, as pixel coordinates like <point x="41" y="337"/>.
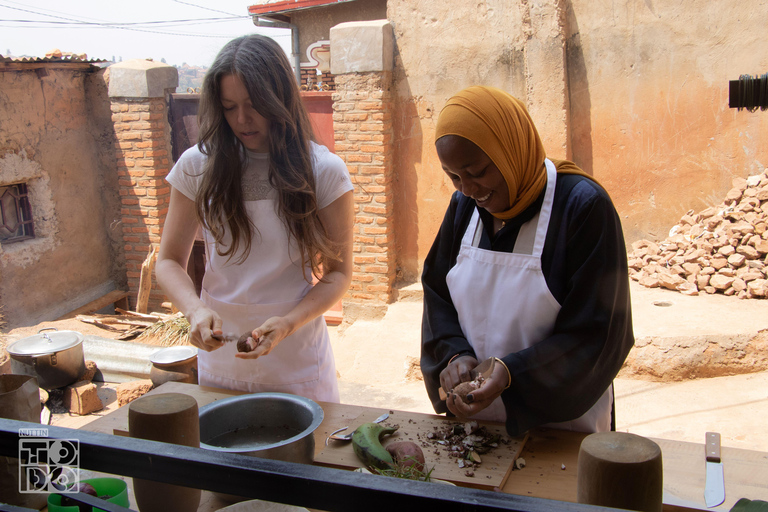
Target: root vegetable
<point x="465" y="388"/>
<point x="246" y="343"/>
<point x="407" y="453"/>
<point x="83" y="487"/>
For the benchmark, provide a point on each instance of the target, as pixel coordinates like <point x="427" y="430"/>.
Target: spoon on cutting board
<point x="348" y="437"/>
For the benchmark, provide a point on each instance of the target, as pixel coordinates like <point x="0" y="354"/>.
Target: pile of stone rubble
<point x="722" y="249"/>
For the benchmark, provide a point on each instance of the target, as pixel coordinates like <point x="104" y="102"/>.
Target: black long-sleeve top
<point x="584" y="262"/>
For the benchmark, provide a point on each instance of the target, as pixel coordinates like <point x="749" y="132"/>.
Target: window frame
<point x="23" y="210"/>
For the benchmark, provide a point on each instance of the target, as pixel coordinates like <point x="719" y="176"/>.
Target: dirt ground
<point x="72" y="324"/>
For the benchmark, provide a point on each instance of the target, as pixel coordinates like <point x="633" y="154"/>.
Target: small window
<point x="16" y="214"/>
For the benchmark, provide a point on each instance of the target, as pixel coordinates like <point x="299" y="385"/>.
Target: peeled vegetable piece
<point x="246" y="343"/>
<point x="465" y="388"/>
<point x="406" y="454"/>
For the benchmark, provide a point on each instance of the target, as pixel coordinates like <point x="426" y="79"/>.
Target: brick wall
<point x="142" y="149"/>
<point x="363" y="136"/>
<point x="326" y="79"/>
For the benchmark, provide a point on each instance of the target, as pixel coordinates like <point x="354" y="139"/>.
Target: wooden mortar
<point x="169" y="418"/>
<point x="620" y="470"/>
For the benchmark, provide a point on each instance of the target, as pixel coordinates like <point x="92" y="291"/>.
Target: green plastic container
<point x="114" y="487"/>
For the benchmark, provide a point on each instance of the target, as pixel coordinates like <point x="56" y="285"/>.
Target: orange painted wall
<point x="647" y="108"/>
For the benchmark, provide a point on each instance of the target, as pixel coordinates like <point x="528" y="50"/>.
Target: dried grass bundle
<point x="166" y="333"/>
<point x="2" y="328"/>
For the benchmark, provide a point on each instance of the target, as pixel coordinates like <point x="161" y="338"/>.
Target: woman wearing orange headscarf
<point x="529" y="268"/>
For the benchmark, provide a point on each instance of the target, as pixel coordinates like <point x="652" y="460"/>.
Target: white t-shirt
<point x="272" y="271"/>
<point x="331" y="174"/>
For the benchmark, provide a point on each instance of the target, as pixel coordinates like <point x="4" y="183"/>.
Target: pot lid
<point x="45" y="343"/>
<point x="171" y="355"/>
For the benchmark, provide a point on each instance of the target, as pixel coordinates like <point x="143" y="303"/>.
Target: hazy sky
<point x="178" y="30"/>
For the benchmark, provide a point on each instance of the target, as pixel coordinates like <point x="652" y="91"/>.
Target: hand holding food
<point x="264" y="338"/>
<point x="458" y="370"/>
<point x="203" y="323"/>
<point x="466" y="388"/>
<point x="247" y="343"/>
<point x="469" y="398"/>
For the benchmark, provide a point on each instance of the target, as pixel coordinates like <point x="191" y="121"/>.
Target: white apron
<point x="504" y="304"/>
<point x="269" y="283"/>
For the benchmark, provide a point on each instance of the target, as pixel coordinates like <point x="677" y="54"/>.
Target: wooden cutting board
<point x="493" y="471"/>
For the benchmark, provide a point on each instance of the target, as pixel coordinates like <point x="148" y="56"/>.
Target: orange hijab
<point x="500" y="125"/>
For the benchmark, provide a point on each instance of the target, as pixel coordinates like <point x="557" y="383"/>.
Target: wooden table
<point x="550" y="455"/>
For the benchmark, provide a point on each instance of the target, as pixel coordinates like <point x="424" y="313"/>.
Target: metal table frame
<point x="290" y="483"/>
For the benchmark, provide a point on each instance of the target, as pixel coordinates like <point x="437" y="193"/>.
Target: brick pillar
<point x="361" y="62"/>
<point x="137" y="92"/>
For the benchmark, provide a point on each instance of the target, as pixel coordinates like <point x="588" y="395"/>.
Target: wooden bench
<point x="117" y="297"/>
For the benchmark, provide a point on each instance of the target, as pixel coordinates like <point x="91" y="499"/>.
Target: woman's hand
<point x="267" y="337"/>
<point x="456" y="372"/>
<point x="171" y="271"/>
<point x="480" y="398"/>
<point x="204" y="322"/>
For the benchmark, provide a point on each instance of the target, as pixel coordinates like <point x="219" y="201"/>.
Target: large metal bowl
<point x="276" y="426"/>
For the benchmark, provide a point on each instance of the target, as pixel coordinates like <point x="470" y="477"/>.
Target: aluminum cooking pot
<point x="55" y="358"/>
<point x="276" y="426"/>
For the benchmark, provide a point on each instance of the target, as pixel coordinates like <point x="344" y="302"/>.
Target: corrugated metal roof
<point x="46" y="60"/>
<point x="266" y="7"/>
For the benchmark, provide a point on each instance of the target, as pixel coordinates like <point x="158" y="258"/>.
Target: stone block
<point x="141" y="78"/>
<point x="90" y="371"/>
<point x="129" y="391"/>
<point x="362" y="46"/>
<point x="82" y="398"/>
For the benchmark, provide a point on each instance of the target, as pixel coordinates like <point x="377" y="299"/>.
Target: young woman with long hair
<point x="275" y="210"/>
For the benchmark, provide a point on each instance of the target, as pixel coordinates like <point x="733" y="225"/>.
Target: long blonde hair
<point x="261" y="64"/>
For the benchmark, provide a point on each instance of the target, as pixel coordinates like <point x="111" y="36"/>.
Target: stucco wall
<point x="315" y="24"/>
<point x="55" y="134"/>
<point x="441" y="48"/>
<point x="649" y="99"/>
<point x="644" y="107"/>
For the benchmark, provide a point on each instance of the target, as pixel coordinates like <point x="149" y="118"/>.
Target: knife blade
<point x="226" y="338"/>
<point x="714" y="489"/>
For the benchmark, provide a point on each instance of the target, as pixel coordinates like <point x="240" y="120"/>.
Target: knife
<point x="484" y="369"/>
<point x="714" y="490"/>
<point x="226" y="338"/>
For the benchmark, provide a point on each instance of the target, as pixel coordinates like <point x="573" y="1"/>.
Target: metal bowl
<point x="276" y="426"/>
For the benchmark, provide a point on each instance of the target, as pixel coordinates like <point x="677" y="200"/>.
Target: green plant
<point x="408" y="472"/>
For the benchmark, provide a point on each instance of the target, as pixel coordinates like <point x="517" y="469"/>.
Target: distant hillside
<point x="190" y="77"/>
